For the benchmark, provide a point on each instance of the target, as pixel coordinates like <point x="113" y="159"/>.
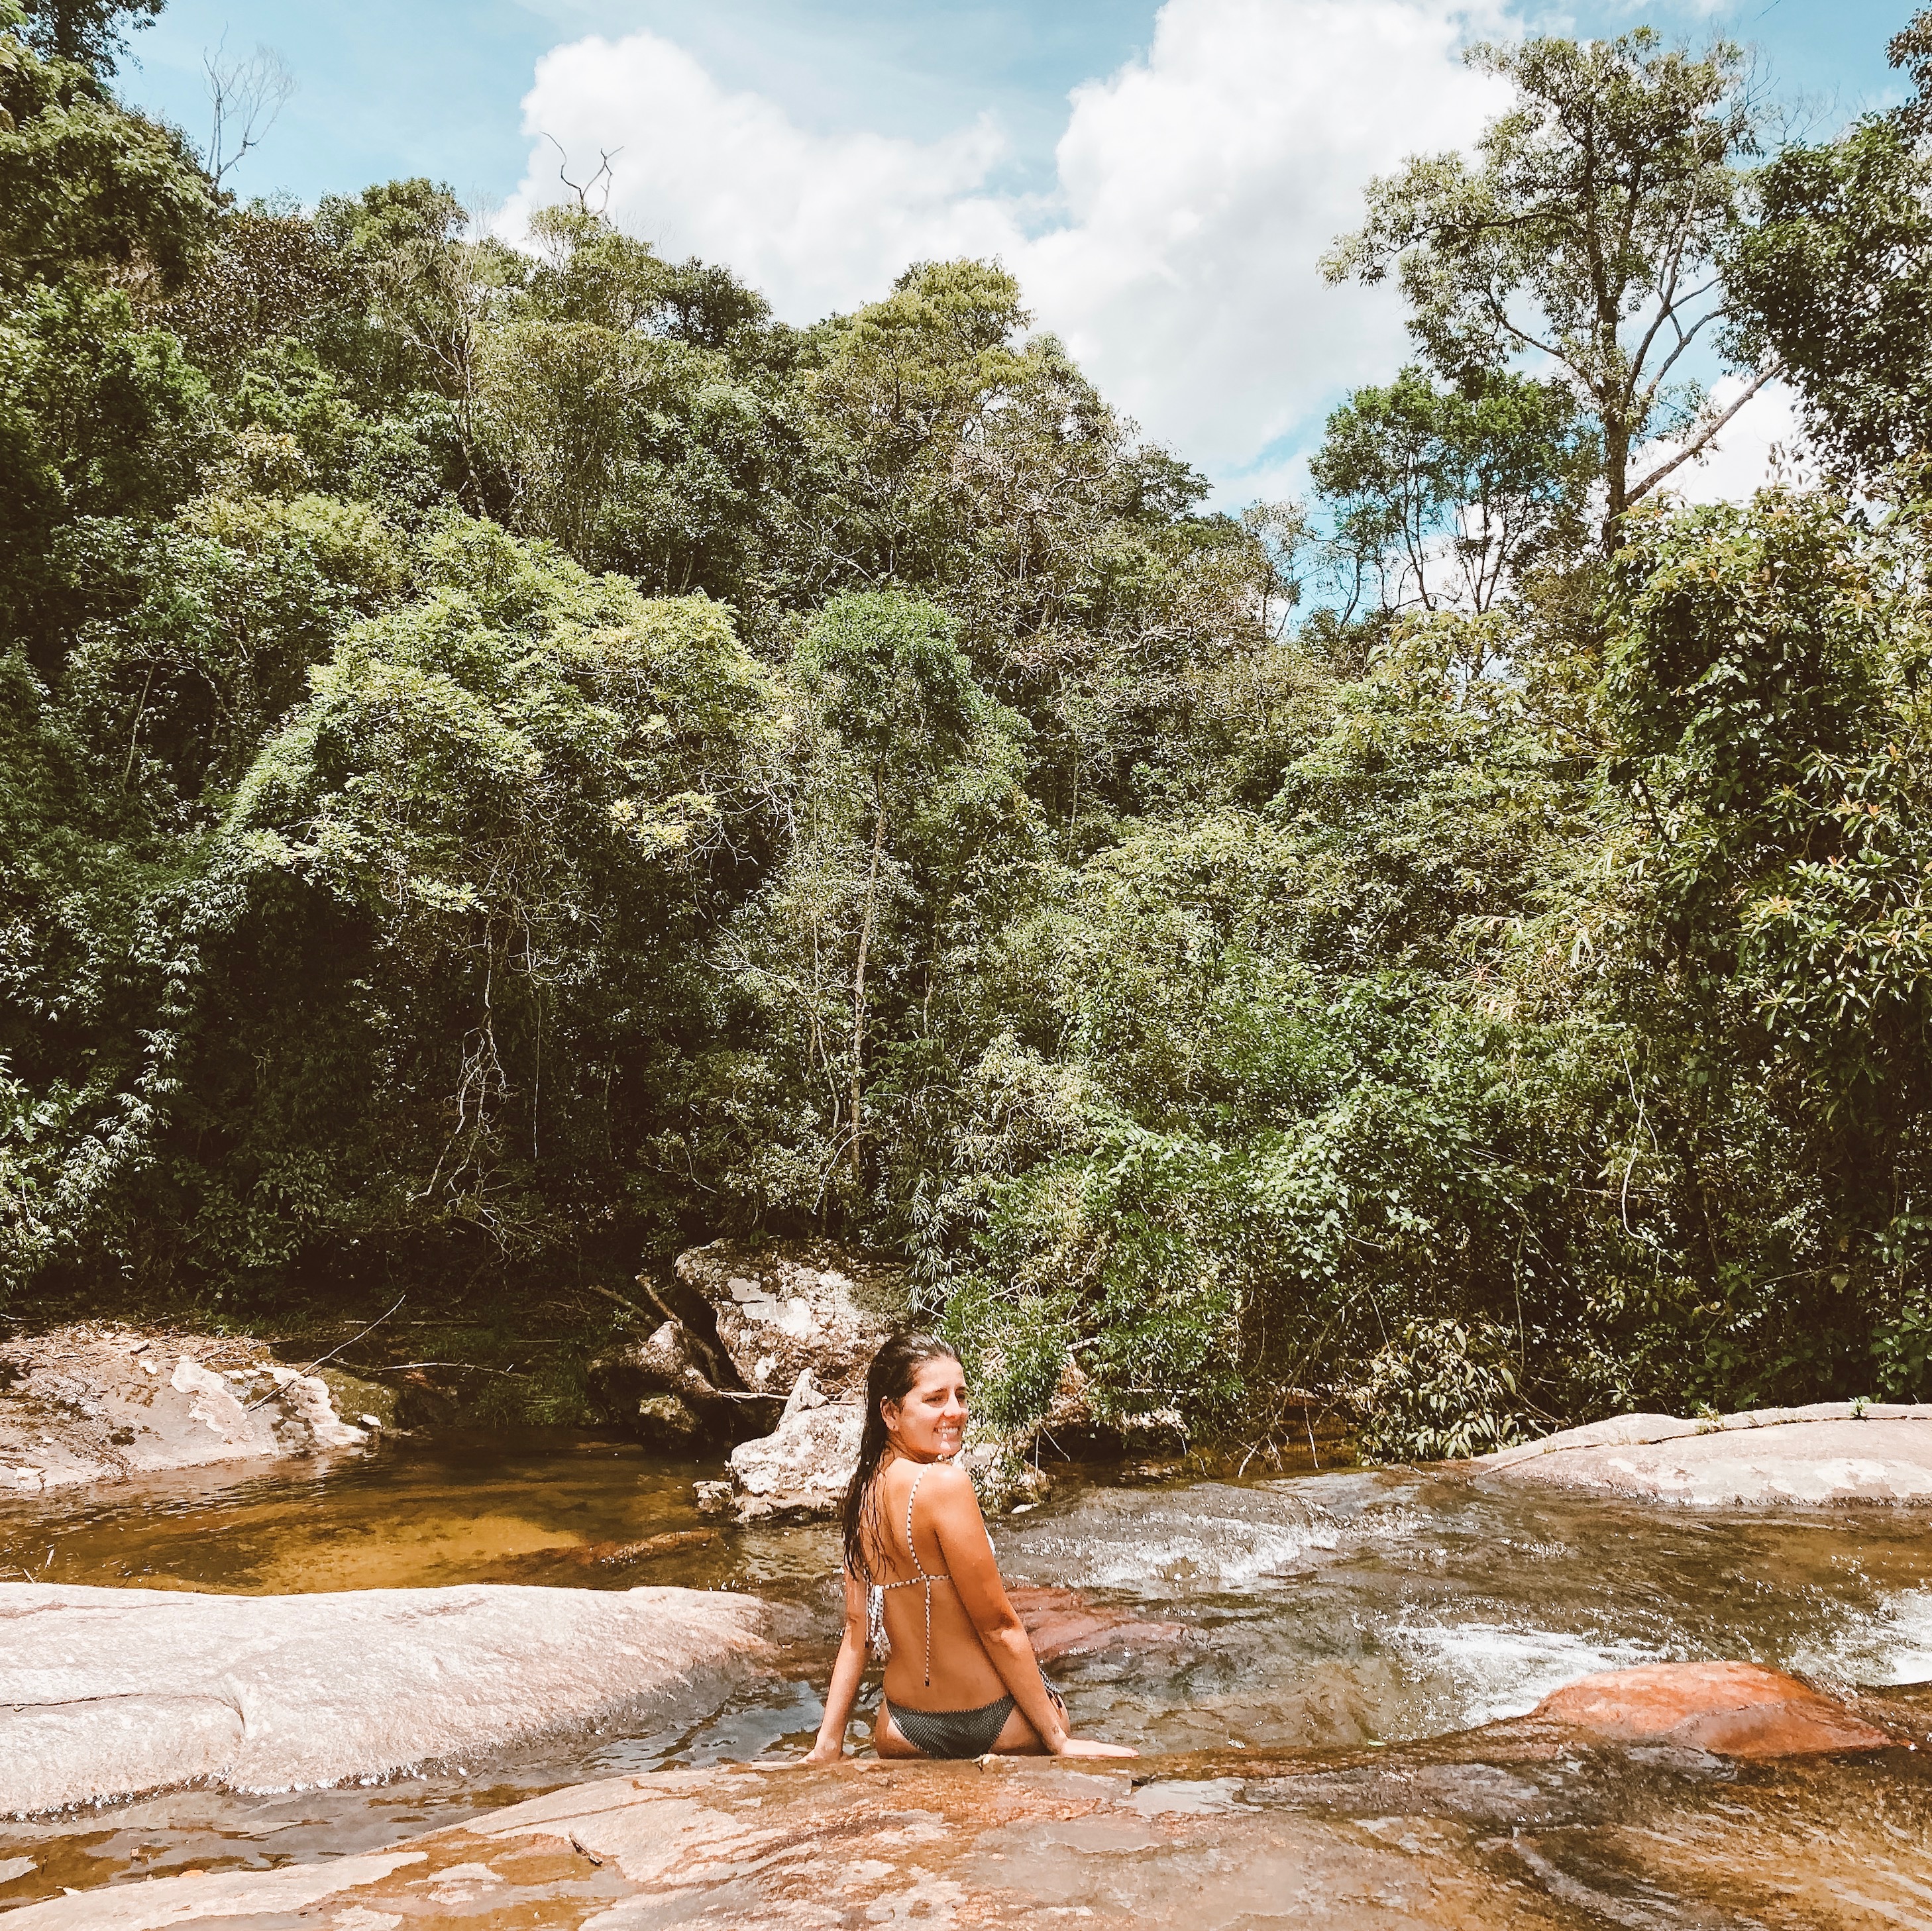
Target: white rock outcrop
<point x="783" y="1310"/>
<point x="105" y="1692"/>
<point x="80" y="1406"/>
<point x="1827" y="1452"/>
<point x="802" y="1469"/>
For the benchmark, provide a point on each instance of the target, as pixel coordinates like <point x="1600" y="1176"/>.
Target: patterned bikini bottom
<point x="960" y="1733"/>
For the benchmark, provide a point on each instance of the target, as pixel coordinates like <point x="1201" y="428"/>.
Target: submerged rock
<point x="1831" y="1452"/>
<point x="1063" y="1623"/>
<point x="104" y="1693"/>
<point x="82" y="1405"/>
<point x="784" y="1311"/>
<point x="1730" y="1709"/>
<point x="801" y="1470"/>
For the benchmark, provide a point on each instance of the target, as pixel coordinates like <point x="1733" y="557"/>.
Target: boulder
<point x="104" y="1693"/>
<point x="1831" y="1452"/>
<point x="85" y="1405"/>
<point x="1729" y="1709"/>
<point x="802" y="1470"/>
<point x="661" y="1389"/>
<point x="783" y="1310"/>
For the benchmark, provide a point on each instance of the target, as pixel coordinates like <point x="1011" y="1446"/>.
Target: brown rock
<point x="1731" y="1709"/>
<point x="1063" y="1623"/>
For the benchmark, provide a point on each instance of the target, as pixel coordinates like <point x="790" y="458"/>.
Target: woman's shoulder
<point x="945" y="1485"/>
<point x="935" y="1481"/>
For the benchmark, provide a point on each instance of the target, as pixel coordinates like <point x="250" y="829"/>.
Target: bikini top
<point x="876" y="1639"/>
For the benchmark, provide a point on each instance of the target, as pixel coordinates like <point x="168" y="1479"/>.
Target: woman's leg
<point x="1018" y="1738"/>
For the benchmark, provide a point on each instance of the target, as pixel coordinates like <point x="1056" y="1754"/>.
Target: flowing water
<point x="1334" y="1610"/>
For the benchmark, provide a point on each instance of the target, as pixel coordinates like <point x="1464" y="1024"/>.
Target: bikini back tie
<point x="880" y="1643"/>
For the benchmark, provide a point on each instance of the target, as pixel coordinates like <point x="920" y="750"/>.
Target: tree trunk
<point x="1616" y="482"/>
<point x="859" y="986"/>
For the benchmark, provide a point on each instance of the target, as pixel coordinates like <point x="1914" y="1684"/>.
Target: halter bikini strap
<point x="912" y="1550"/>
<point x="912" y="1495"/>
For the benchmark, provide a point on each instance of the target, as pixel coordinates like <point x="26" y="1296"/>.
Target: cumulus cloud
<point x="818" y="222"/>
<point x="1197" y="187"/>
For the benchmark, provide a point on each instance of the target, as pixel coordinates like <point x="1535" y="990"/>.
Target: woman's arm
<point x="975" y="1571"/>
<point x="846" y="1674"/>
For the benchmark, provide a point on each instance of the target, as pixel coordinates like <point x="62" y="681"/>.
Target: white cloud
<point x="1197" y="186"/>
<point x="1763" y="436"/>
<point x="1202" y="186"/>
<point x="817" y="222"/>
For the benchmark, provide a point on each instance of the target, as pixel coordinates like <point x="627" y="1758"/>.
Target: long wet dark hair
<point x="894" y="1369"/>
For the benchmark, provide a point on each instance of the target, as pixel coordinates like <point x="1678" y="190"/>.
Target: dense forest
<point x="513" y="760"/>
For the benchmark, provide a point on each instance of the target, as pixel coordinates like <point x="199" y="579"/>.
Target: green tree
<point x="1588" y="233"/>
<point x="1833" y="279"/>
<point x="1443" y="496"/>
<point x="91" y="33"/>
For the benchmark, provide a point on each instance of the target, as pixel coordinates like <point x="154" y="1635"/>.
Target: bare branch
<point x="244" y="98"/>
<point x="1702" y="440"/>
<point x="599" y="183"/>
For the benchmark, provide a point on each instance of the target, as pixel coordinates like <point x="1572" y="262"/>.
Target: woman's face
<point x="930" y="1423"/>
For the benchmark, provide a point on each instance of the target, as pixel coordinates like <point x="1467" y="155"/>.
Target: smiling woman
<point x="962" y="1679"/>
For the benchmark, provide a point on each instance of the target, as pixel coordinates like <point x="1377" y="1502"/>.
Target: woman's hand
<point x="1084" y="1747"/>
<point x="824" y="1751"/>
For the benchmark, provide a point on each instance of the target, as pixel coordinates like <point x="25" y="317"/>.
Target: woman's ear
<point x="889" y="1413"/>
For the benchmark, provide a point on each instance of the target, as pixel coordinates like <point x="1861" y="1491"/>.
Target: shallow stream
<point x="1337" y="1609"/>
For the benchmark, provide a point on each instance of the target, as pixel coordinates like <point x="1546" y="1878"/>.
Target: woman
<point x="922" y="1588"/>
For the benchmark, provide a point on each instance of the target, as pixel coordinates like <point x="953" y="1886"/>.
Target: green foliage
<point x="1442" y="496"/>
<point x="1835" y="280"/>
<point x="512" y="759"/>
<point x="1439" y="1393"/>
<point x="86" y="185"/>
<point x="92" y="32"/>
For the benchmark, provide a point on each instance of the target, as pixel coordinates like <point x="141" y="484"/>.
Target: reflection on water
<point x="1330" y="1611"/>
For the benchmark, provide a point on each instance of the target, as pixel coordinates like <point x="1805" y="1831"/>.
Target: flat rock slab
<point x="105" y="1692"/>
<point x="1830" y="1453"/>
<point x="1515" y="1827"/>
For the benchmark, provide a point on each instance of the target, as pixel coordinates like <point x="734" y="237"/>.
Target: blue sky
<point x="1161" y="178"/>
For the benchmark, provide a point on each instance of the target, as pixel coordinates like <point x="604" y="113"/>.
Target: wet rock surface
<point x="1731" y="1709"/>
<point x="1828" y="1453"/>
<point x="1064" y="1623"/>
<point x="1524" y="1824"/>
<point x="82" y="1405"/>
<point x="104" y="1693"/>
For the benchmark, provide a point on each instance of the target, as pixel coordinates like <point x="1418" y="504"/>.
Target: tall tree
<point x="1587" y="232"/>
<point x="1443" y="495"/>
